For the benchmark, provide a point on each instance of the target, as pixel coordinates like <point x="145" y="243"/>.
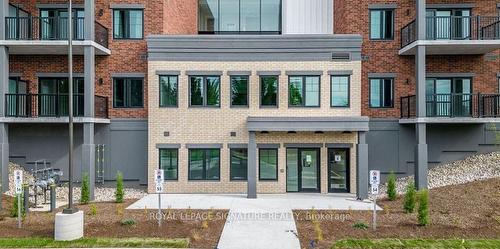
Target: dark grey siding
<point x="391" y="145"/>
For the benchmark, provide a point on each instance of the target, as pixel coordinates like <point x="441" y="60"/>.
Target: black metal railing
<point x="50" y="105"/>
<point x="454" y="105"/>
<point x="454" y="28"/>
<point x="51" y="28"/>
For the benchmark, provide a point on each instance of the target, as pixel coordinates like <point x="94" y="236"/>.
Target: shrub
<point x="410" y="198"/>
<point x="14" y="208"/>
<point x="85" y="196"/>
<point x="391" y="186"/>
<point x="360" y="225"/>
<point x="119" y="194"/>
<point x="423" y="207"/>
<point x="128" y="222"/>
<point x="93" y="210"/>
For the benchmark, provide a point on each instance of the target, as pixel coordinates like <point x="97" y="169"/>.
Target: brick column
<point x="421" y="157"/>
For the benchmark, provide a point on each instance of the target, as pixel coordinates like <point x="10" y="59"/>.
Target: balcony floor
<point x="444" y="120"/>
<point x="44" y="47"/>
<point x="452" y="47"/>
<point x="53" y="120"/>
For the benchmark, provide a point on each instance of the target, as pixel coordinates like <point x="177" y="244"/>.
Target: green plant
<point x="391" y="186"/>
<point x="14" y="208"/>
<point x="423" y="207"/>
<point x="360" y="225"/>
<point x="128" y="222"/>
<point x="93" y="210"/>
<point x="85" y="196"/>
<point x="410" y="198"/>
<point x="119" y="194"/>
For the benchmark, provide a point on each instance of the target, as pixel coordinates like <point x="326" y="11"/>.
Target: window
<point x="382" y="24"/>
<point x="268" y="164"/>
<point x="340" y="91"/>
<point x="269" y="91"/>
<point x="127" y="24"/>
<point x="204" y="164"/>
<point x="381" y="93"/>
<point x="239" y="90"/>
<point x="169" y="159"/>
<point x="238" y="169"/>
<point x="303" y="91"/>
<point x="205" y="91"/>
<point x="127" y="92"/>
<point x="168" y="91"/>
<point x="239" y="16"/>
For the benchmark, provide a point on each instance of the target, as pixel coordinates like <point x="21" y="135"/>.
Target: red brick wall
<point x="352" y="17"/>
<point x="127" y="56"/>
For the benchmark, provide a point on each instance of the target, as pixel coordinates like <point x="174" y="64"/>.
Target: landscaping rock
<point x="474" y="168"/>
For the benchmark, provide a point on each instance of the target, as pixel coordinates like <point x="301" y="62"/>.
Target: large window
<point x="239" y="16"/>
<point x="269" y="91"/>
<point x="239" y="90"/>
<point x="304" y="91"/>
<point x="204" y="91"/>
<point x="340" y="91"/>
<point x="128" y="92"/>
<point x="169" y="159"/>
<point x="168" y="91"/>
<point x="268" y="164"/>
<point x="238" y="169"/>
<point x="204" y="164"/>
<point x="382" y="93"/>
<point x="128" y="24"/>
<point x="382" y="24"/>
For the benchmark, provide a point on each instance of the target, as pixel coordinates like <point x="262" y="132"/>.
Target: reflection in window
<point x="237" y="16"/>
<point x="304" y="91"/>
<point x="381" y="93"/>
<point x="340" y="91"/>
<point x="269" y="91"/>
<point x="205" y="91"/>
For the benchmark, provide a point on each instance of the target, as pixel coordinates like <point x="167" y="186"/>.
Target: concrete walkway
<point x="266" y="222"/>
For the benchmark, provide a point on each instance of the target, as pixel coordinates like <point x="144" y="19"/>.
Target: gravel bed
<point x="474" y="168"/>
<point x="101" y="193"/>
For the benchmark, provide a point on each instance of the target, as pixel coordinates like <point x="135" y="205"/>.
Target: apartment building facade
<point x="251" y="96"/>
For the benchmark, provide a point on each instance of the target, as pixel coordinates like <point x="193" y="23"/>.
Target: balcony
<point x="453" y="35"/>
<point x="51" y="106"/>
<point x="49" y="35"/>
<point x="461" y="107"/>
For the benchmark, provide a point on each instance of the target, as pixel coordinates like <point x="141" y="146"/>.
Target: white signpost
<point x="374" y="183"/>
<point x="159" y="180"/>
<point x="18" y="182"/>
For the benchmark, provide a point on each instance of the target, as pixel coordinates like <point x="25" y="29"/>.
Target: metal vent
<point x="341" y="56"/>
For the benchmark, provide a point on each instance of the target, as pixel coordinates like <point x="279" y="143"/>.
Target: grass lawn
<point x="93" y="242"/>
<point x="416" y="243"/>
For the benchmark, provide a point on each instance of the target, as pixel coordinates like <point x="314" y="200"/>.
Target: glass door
<point x="309" y="170"/>
<point x="303" y="170"/>
<point x="462" y="98"/>
<point x="338" y="170"/>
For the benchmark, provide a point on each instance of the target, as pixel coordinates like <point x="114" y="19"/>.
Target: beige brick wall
<point x="213" y="125"/>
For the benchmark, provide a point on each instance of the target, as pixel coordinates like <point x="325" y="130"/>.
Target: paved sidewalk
<point x="266" y="222"/>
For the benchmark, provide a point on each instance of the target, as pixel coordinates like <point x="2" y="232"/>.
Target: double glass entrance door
<point x="302" y="170"/>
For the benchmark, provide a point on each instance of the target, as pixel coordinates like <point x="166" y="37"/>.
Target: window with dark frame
<point x="128" y="93"/>
<point x="239" y="164"/>
<point x="269" y="91"/>
<point x="204" y="164"/>
<point x="381" y="92"/>
<point x="204" y="91"/>
<point x="168" y="91"/>
<point x="239" y="90"/>
<point x="303" y="91"/>
<point x="382" y="24"/>
<point x="239" y="16"/>
<point x="268" y="164"/>
<point x="340" y="92"/>
<point x="169" y="161"/>
<point x="128" y="24"/>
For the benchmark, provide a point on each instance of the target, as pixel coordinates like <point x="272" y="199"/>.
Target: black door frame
<point x="348" y="170"/>
<point x="299" y="170"/>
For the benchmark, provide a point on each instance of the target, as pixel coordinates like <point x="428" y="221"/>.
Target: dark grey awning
<point x="307" y="124"/>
